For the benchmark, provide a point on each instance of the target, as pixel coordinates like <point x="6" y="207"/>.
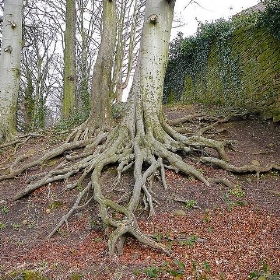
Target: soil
<point x="215" y="232"/>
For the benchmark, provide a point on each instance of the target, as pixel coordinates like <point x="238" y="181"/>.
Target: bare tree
<point x="41" y="67"/>
<point x="89" y="21"/>
<point x="100" y="116"/>
<point x="10" y="67"/>
<point x="129" y="27"/>
<point x="40" y="77"/>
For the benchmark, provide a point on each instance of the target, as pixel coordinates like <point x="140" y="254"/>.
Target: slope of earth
<point x="214" y="233"/>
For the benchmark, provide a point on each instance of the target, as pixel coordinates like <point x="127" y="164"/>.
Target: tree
<point x="39" y="73"/>
<point x="1" y="21"/>
<point x="41" y="83"/>
<point x="129" y="27"/>
<point x="10" y="67"/>
<point x="142" y="141"/>
<point x="100" y="115"/>
<point x="69" y="102"/>
<point x="89" y="14"/>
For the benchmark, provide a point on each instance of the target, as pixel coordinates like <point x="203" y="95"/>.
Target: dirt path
<point x="214" y="233"/>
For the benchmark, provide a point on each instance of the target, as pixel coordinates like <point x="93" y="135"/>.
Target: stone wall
<point x="242" y="71"/>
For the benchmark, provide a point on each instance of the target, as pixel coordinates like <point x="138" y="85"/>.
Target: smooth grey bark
<point x="10" y="67"/>
<point x="154" y="54"/>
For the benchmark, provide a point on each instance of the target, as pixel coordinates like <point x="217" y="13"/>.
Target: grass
<point x="264" y="273"/>
<point x="5" y="209"/>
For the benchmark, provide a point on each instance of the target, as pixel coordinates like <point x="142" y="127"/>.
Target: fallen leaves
<point x="214" y="241"/>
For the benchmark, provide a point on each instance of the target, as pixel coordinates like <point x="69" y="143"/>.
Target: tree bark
<point x="100" y="115"/>
<point x="10" y="67"/>
<point x="154" y="57"/>
<point x="69" y="102"/>
<point x="84" y="97"/>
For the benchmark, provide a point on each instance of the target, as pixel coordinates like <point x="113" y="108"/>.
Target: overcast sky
<point x="206" y="10"/>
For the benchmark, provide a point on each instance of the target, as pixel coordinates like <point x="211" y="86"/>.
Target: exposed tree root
<point x="223" y="181"/>
<point x="211" y="126"/>
<point x="75" y="207"/>
<point x="185" y="119"/>
<point x="49" y="155"/>
<point x="250" y="168"/>
<point x="148" y="152"/>
<point x="20" y="140"/>
<point x="202" y="119"/>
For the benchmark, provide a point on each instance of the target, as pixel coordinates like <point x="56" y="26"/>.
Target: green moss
<point x="56" y="204"/>
<point x="76" y="276"/>
<point x="243" y="80"/>
<point x="228" y="63"/>
<point x="26" y="275"/>
<point x="276" y="118"/>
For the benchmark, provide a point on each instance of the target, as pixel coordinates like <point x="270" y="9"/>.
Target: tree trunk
<point x="154" y="58"/>
<point x="100" y="114"/>
<point x="10" y="67"/>
<point x="69" y="102"/>
<point x="84" y="87"/>
<point x="141" y="130"/>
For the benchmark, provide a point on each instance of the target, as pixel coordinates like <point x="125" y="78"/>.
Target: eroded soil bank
<point x="214" y="233"/>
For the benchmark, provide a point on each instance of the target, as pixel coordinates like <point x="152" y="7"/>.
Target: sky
<point x="206" y="10"/>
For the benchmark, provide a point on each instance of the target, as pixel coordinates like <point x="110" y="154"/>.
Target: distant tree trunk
<point x="89" y="14"/>
<point x="84" y="89"/>
<point x="100" y="114"/>
<point x="129" y="27"/>
<point x="10" y="67"/>
<point x="28" y="102"/>
<point x="69" y="91"/>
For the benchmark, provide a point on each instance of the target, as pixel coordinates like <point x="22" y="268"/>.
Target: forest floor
<point x="214" y="233"/>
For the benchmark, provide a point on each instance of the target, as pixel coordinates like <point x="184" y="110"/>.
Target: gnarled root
<point x="250" y="168"/>
<point x="147" y="152"/>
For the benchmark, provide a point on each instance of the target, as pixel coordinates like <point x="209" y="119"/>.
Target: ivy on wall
<point x="189" y="56"/>
<point x="270" y="18"/>
<point x="221" y="63"/>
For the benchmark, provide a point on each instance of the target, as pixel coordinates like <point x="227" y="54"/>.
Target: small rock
<point x="179" y="213"/>
<point x="48" y="211"/>
<point x="24" y="222"/>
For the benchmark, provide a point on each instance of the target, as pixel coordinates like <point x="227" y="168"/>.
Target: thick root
<point x="49" y="155"/>
<point x="148" y="152"/>
<point x="251" y="168"/>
